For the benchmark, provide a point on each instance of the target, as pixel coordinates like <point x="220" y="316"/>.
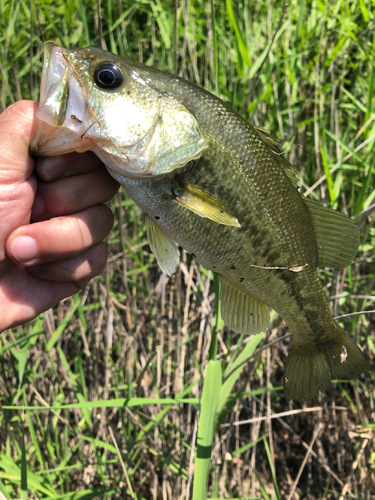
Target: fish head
<point x="93" y="100"/>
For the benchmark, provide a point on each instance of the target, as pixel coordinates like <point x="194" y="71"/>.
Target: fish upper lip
<point x="49" y="46"/>
<point x="56" y="108"/>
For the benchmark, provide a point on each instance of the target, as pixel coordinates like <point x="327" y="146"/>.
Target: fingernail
<point x="51" y="168"/>
<point x="38" y="206"/>
<point x="24" y="249"/>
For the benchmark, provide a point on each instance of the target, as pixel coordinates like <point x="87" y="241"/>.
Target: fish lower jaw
<point x="53" y="141"/>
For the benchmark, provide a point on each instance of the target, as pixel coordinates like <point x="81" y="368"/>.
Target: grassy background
<point x="136" y="342"/>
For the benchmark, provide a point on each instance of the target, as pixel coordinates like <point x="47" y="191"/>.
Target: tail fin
<point x="310" y="371"/>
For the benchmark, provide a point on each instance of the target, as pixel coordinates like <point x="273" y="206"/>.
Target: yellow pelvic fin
<point x="241" y="312"/>
<point x="163" y="247"/>
<point x="205" y="205"/>
<point x="336" y="234"/>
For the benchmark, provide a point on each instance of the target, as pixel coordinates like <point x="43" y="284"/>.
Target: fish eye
<point x="108" y="76"/>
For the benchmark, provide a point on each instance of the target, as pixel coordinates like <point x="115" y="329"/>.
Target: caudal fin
<point x="309" y="372"/>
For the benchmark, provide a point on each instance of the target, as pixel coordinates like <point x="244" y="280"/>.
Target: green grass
<point x="100" y="397"/>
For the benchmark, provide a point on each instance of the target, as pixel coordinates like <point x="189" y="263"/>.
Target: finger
<point x="18" y="124"/>
<point x="78" y="269"/>
<point x="73" y="194"/>
<point x="58" y="167"/>
<point x="23" y="297"/>
<point x="59" y="238"/>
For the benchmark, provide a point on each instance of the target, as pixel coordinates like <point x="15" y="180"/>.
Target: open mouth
<point x="63" y="111"/>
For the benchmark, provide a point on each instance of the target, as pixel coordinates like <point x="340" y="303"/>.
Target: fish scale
<point x="220" y="188"/>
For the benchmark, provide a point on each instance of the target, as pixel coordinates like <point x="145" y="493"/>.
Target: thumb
<point x="17" y="182"/>
<point x="18" y="124"/>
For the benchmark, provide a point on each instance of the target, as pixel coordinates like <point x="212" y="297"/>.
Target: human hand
<point x="53" y="258"/>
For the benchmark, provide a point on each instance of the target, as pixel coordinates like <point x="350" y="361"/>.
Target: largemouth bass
<point x="209" y="181"/>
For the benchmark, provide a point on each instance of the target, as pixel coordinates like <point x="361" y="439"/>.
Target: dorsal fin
<point x="336" y="234"/>
<point x="277" y="152"/>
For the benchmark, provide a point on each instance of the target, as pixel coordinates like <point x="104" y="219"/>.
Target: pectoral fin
<point x="204" y="205"/>
<point x="336" y="234"/>
<point x="163" y="247"/>
<point x="241" y="312"/>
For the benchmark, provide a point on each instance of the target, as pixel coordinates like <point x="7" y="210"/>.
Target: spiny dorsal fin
<point x="241" y="312"/>
<point x="204" y="204"/>
<point x="276" y="150"/>
<point x="163" y="247"/>
<point x="336" y="234"/>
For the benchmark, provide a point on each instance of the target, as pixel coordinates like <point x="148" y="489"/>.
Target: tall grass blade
<point x="215" y="47"/>
<point x="24" y="489"/>
<point x="207" y="416"/>
<point x="59" y="331"/>
<point x="4" y="495"/>
<point x="22" y="359"/>
<point x="272" y="468"/>
<point x="234" y="369"/>
<point x="241" y="46"/>
<point x="328" y="175"/>
<point x="214" y="340"/>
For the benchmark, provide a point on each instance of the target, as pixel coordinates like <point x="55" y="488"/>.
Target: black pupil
<point x="108" y="76"/>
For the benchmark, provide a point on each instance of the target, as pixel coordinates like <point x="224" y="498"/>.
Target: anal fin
<point x="241" y="312"/>
<point x="163" y="247"/>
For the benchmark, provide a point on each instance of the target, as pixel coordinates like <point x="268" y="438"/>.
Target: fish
<point x="210" y="182"/>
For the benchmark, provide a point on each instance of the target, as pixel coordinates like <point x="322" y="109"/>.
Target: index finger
<point x="58" y="167"/>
